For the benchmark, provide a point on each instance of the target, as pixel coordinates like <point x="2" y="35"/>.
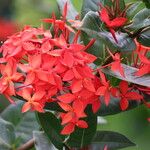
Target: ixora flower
<point x="112" y="24"/>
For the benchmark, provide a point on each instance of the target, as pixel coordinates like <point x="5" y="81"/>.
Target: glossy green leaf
<point x="122" y="5"/>
<point x="52" y="128"/>
<point x="114" y="107"/>
<point x="130" y="75"/>
<point x="125" y="43"/>
<point x="97" y="48"/>
<point x="7" y="135"/>
<point x="41" y="141"/>
<point x="93" y="5"/>
<point x="24" y="123"/>
<point x="71" y="11"/>
<point x="113" y="140"/>
<point x="144" y="38"/>
<point x="140" y="20"/>
<point x="53" y="106"/>
<point x="83" y="137"/>
<point x="133" y="9"/>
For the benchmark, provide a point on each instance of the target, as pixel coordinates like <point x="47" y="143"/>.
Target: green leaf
<point x="93" y="5"/>
<point x="125" y="43"/>
<point x="52" y="128"/>
<point x="114" y="107"/>
<point x="41" y="141"/>
<point x="83" y="137"/>
<point x="113" y="140"/>
<point x="130" y="75"/>
<point x="53" y="106"/>
<point x="140" y="20"/>
<point x="147" y="3"/>
<point x="133" y="9"/>
<point x="24" y="123"/>
<point x="71" y="11"/>
<point x="144" y="38"/>
<point x="97" y="48"/>
<point x="122" y="5"/>
<point x="7" y="135"/>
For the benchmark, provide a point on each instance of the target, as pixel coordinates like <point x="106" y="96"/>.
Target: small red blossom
<point x="34" y="102"/>
<point x="9" y="76"/>
<point x="104" y="89"/>
<point x="125" y="94"/>
<point x="145" y="67"/>
<point x="112" y="24"/>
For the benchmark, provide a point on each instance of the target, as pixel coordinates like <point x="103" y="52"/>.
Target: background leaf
<point x="7" y="135"/>
<point x="41" y="141"/>
<point x="24" y="123"/>
<point x="93" y="5"/>
<point x="52" y="128"/>
<point x="113" y="140"/>
<point x="72" y="12"/>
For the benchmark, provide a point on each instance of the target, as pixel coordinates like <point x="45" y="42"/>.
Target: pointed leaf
<point x="140" y="20"/>
<point x="41" y="141"/>
<point x="52" y="128"/>
<point x="130" y="75"/>
<point x="113" y="140"/>
<point x="144" y="38"/>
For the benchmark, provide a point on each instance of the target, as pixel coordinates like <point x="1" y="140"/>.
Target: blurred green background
<point x="132" y="124"/>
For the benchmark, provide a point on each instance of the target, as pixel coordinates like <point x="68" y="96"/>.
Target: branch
<point x="27" y="146"/>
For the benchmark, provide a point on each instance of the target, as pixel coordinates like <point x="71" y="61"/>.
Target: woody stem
<point x="27" y="146"/>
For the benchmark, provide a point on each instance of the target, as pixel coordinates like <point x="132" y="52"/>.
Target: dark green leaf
<point x="53" y="106"/>
<point x="83" y="137"/>
<point x="114" y="107"/>
<point x="93" y="5"/>
<point x="144" y="38"/>
<point x="133" y="9"/>
<point x="125" y="43"/>
<point x="71" y="11"/>
<point x="130" y="75"/>
<point x="41" y="141"/>
<point x="52" y="128"/>
<point x="97" y="48"/>
<point x="140" y="20"/>
<point x="7" y="135"/>
<point x="24" y="123"/>
<point x="147" y="3"/>
<point x="122" y="5"/>
<point x="113" y="140"/>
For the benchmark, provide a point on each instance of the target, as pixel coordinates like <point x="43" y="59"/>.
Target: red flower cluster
<point x="41" y="67"/>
